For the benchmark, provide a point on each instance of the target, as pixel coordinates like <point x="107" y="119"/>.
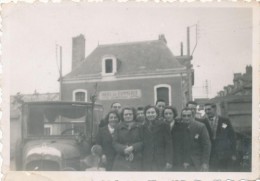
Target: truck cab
<point x="56" y="135"/>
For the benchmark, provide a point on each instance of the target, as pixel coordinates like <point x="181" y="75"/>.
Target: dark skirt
<point x="122" y="164"/>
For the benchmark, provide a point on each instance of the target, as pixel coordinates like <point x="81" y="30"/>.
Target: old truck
<point x="56" y="135"/>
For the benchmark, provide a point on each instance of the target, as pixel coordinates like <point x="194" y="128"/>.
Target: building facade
<point x="134" y="74"/>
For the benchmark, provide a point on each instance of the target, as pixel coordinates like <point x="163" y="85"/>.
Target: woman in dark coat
<point x="169" y="114"/>
<point x="128" y="143"/>
<point x="105" y="138"/>
<point x="157" y="142"/>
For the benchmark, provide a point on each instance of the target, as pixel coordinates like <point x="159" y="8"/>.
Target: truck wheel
<point x="18" y="156"/>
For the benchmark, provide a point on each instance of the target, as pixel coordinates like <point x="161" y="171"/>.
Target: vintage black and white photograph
<point x="130" y="87"/>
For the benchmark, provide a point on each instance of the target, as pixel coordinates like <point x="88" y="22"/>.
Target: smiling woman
<point x="105" y="138"/>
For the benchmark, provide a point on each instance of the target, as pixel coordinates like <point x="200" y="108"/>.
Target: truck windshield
<point x="48" y="120"/>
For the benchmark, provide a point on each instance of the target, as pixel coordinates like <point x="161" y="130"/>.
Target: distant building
<point x="134" y="74"/>
<point x="235" y="102"/>
<point x="242" y="84"/>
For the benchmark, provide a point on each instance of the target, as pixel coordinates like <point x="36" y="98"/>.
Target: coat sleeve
<point x="232" y="137"/>
<point x="138" y="146"/>
<point x="103" y="122"/>
<point x="206" y="145"/>
<point x="117" y="145"/>
<point x="168" y="144"/>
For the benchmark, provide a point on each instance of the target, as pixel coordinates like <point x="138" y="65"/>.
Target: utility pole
<point x="189" y="66"/>
<point x="181" y="49"/>
<point x="188" y="41"/>
<point x="93" y="99"/>
<point x="207" y="89"/>
<point x="59" y="58"/>
<point x="190" y="72"/>
<point x="196" y="37"/>
<point x="196" y="41"/>
<point x="60" y="71"/>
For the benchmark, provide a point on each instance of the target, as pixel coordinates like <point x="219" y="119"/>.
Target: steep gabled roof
<point x="134" y="58"/>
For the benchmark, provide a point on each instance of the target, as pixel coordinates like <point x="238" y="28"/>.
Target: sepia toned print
<point x="109" y="89"/>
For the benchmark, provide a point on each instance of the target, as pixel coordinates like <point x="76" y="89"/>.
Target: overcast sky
<point x="31" y="32"/>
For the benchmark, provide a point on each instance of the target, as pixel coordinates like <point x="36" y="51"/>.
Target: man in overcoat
<point x="160" y="104"/>
<point x="222" y="136"/>
<point x="193" y="147"/>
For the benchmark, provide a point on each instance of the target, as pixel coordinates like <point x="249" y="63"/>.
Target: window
<point x="80" y="95"/>
<point x="109" y="65"/>
<point x="163" y="91"/>
<point x="47" y="130"/>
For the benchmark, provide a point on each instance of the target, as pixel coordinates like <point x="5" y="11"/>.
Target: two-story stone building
<point x="134" y="74"/>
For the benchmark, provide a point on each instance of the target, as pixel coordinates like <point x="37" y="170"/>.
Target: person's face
<point x="140" y="114"/>
<point x="168" y="115"/>
<point x="210" y="111"/>
<point x="116" y="107"/>
<point x="112" y="120"/>
<point x="151" y="114"/>
<point x="193" y="107"/>
<point x="187" y="116"/>
<point x="160" y="106"/>
<point x="128" y="115"/>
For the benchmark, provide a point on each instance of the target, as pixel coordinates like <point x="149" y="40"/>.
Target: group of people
<point x="154" y="138"/>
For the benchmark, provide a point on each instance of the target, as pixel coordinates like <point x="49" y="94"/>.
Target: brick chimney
<point x="249" y="69"/>
<point x="225" y="90"/>
<point x="162" y="38"/>
<point x="78" y="50"/>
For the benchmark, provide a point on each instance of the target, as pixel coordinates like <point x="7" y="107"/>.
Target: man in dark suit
<point x="223" y="140"/>
<point x="160" y="104"/>
<point x="192" y="143"/>
<point x="140" y="118"/>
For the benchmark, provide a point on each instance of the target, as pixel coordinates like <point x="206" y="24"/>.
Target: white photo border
<point x="145" y="176"/>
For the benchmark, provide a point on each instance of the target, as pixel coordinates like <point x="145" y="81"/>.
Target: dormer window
<point x="109" y="65"/>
